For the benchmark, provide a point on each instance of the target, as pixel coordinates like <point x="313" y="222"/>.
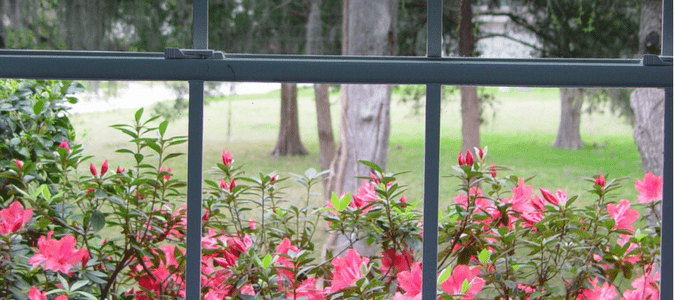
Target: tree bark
<point x="364" y="128"/>
<point x="648" y="104"/>
<point x="324" y="122"/>
<point x="571" y="101"/>
<point x="289" y="134"/>
<point x="471" y="106"/>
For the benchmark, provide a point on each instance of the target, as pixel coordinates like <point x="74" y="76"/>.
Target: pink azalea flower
<point x="162" y="278"/>
<point x="646" y="287"/>
<point x="461" y="273"/>
<point x="623" y="215"/>
<point x="600" y="181"/>
<point x="411" y="283"/>
<point x="364" y="197"/>
<point x="58" y="255"/>
<point x="251" y="224"/>
<point x="227" y="158"/>
<point x="62" y="297"/>
<point x="35" y="294"/>
<point x="14" y="218"/>
<point x="650" y="188"/>
<point x="19" y="164"/>
<point x="605" y="292"/>
<point x="347" y="270"/>
<point x="307" y="290"/>
<point x="284" y="262"/>
<point x="401" y="262"/>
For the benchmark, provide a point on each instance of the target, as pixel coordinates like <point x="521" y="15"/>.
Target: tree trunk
<point x="324" y="122"/>
<point x="289" y="134"/>
<point x="571" y="101"/>
<point x="364" y="128"/>
<point x="471" y="106"/>
<point x="648" y="104"/>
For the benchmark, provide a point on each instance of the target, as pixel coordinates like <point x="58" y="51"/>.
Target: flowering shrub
<point x="499" y="238"/>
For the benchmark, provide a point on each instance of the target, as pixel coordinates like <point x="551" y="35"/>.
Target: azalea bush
<point x="104" y="234"/>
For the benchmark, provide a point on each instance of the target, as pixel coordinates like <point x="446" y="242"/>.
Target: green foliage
<point x="33" y="122"/>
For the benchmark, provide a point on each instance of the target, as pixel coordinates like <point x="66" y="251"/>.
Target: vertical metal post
<point x="667" y="204"/>
<point x="200" y="19"/>
<point x="432" y="131"/>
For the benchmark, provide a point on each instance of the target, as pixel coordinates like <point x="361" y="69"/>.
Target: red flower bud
<point x="119" y="170"/>
<point x="205" y="217"/>
<point x="460" y="159"/>
<point x="493" y="170"/>
<point x="227" y="158"/>
<point x="92" y="169"/>
<point x="273" y="180"/>
<point x="548" y="196"/>
<point x="104" y="168"/>
<point x="232" y="185"/>
<point x="600" y="180"/>
<point x="165" y="177"/>
<point x="480" y="153"/>
<point x="19" y="164"/>
<point x="469" y="158"/>
<point x="64" y="145"/>
<point x="223" y="184"/>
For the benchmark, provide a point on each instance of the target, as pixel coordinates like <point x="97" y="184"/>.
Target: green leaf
<point x="162" y="128"/>
<point x="97" y="221"/>
<point x="484" y="256"/>
<point x="138" y="115"/>
<point x="371" y="165"/>
<point x="335" y="201"/>
<point x="344" y="201"/>
<point x="38" y="107"/>
<point x="465" y="286"/>
<point x="267" y="261"/>
<point x="444" y="275"/>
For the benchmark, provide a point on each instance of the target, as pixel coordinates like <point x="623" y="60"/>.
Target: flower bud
<point x="232" y="185"/>
<point x="493" y="170"/>
<point x="104" y="168"/>
<point x="469" y="158"/>
<point x="273" y="180"/>
<point x="480" y="153"/>
<point x="19" y="164"/>
<point x="549" y="196"/>
<point x="460" y="159"/>
<point x="251" y="224"/>
<point x="227" y="158"/>
<point x="64" y="145"/>
<point x="600" y="180"/>
<point x="120" y="170"/>
<point x="92" y="169"/>
<point x="223" y="184"/>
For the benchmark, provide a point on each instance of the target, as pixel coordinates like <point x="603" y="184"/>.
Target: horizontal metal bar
<point x="340" y="69"/>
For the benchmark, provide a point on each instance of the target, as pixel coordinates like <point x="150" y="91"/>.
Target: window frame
<point x="431" y="70"/>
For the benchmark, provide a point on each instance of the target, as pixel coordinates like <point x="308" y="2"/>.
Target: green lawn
<point x="519" y="137"/>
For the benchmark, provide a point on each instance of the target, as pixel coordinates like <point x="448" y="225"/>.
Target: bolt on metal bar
<point x="195" y="153"/>
<point x="432" y="132"/>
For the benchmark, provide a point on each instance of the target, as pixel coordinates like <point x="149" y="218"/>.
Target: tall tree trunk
<point x="648" y="104"/>
<point x="364" y="128"/>
<point x="289" y="134"/>
<point x="571" y="101"/>
<point x="471" y="106"/>
<point x="324" y="122"/>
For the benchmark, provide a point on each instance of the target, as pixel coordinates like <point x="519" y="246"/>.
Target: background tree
<point x="577" y="29"/>
<point x="649" y="104"/>
<point x="471" y="107"/>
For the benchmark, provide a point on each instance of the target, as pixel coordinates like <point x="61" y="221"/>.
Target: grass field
<point x="519" y="137"/>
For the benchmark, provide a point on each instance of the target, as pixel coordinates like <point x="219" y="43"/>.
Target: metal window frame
<point x="431" y="70"/>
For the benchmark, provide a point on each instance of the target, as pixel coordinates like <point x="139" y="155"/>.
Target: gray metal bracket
<point x="655" y="60"/>
<point x="175" y="53"/>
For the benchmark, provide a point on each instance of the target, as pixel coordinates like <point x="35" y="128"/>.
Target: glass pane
<point x="146" y="26"/>
<point x="554" y="29"/>
<point x="554" y="193"/>
<point x="92" y="190"/>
